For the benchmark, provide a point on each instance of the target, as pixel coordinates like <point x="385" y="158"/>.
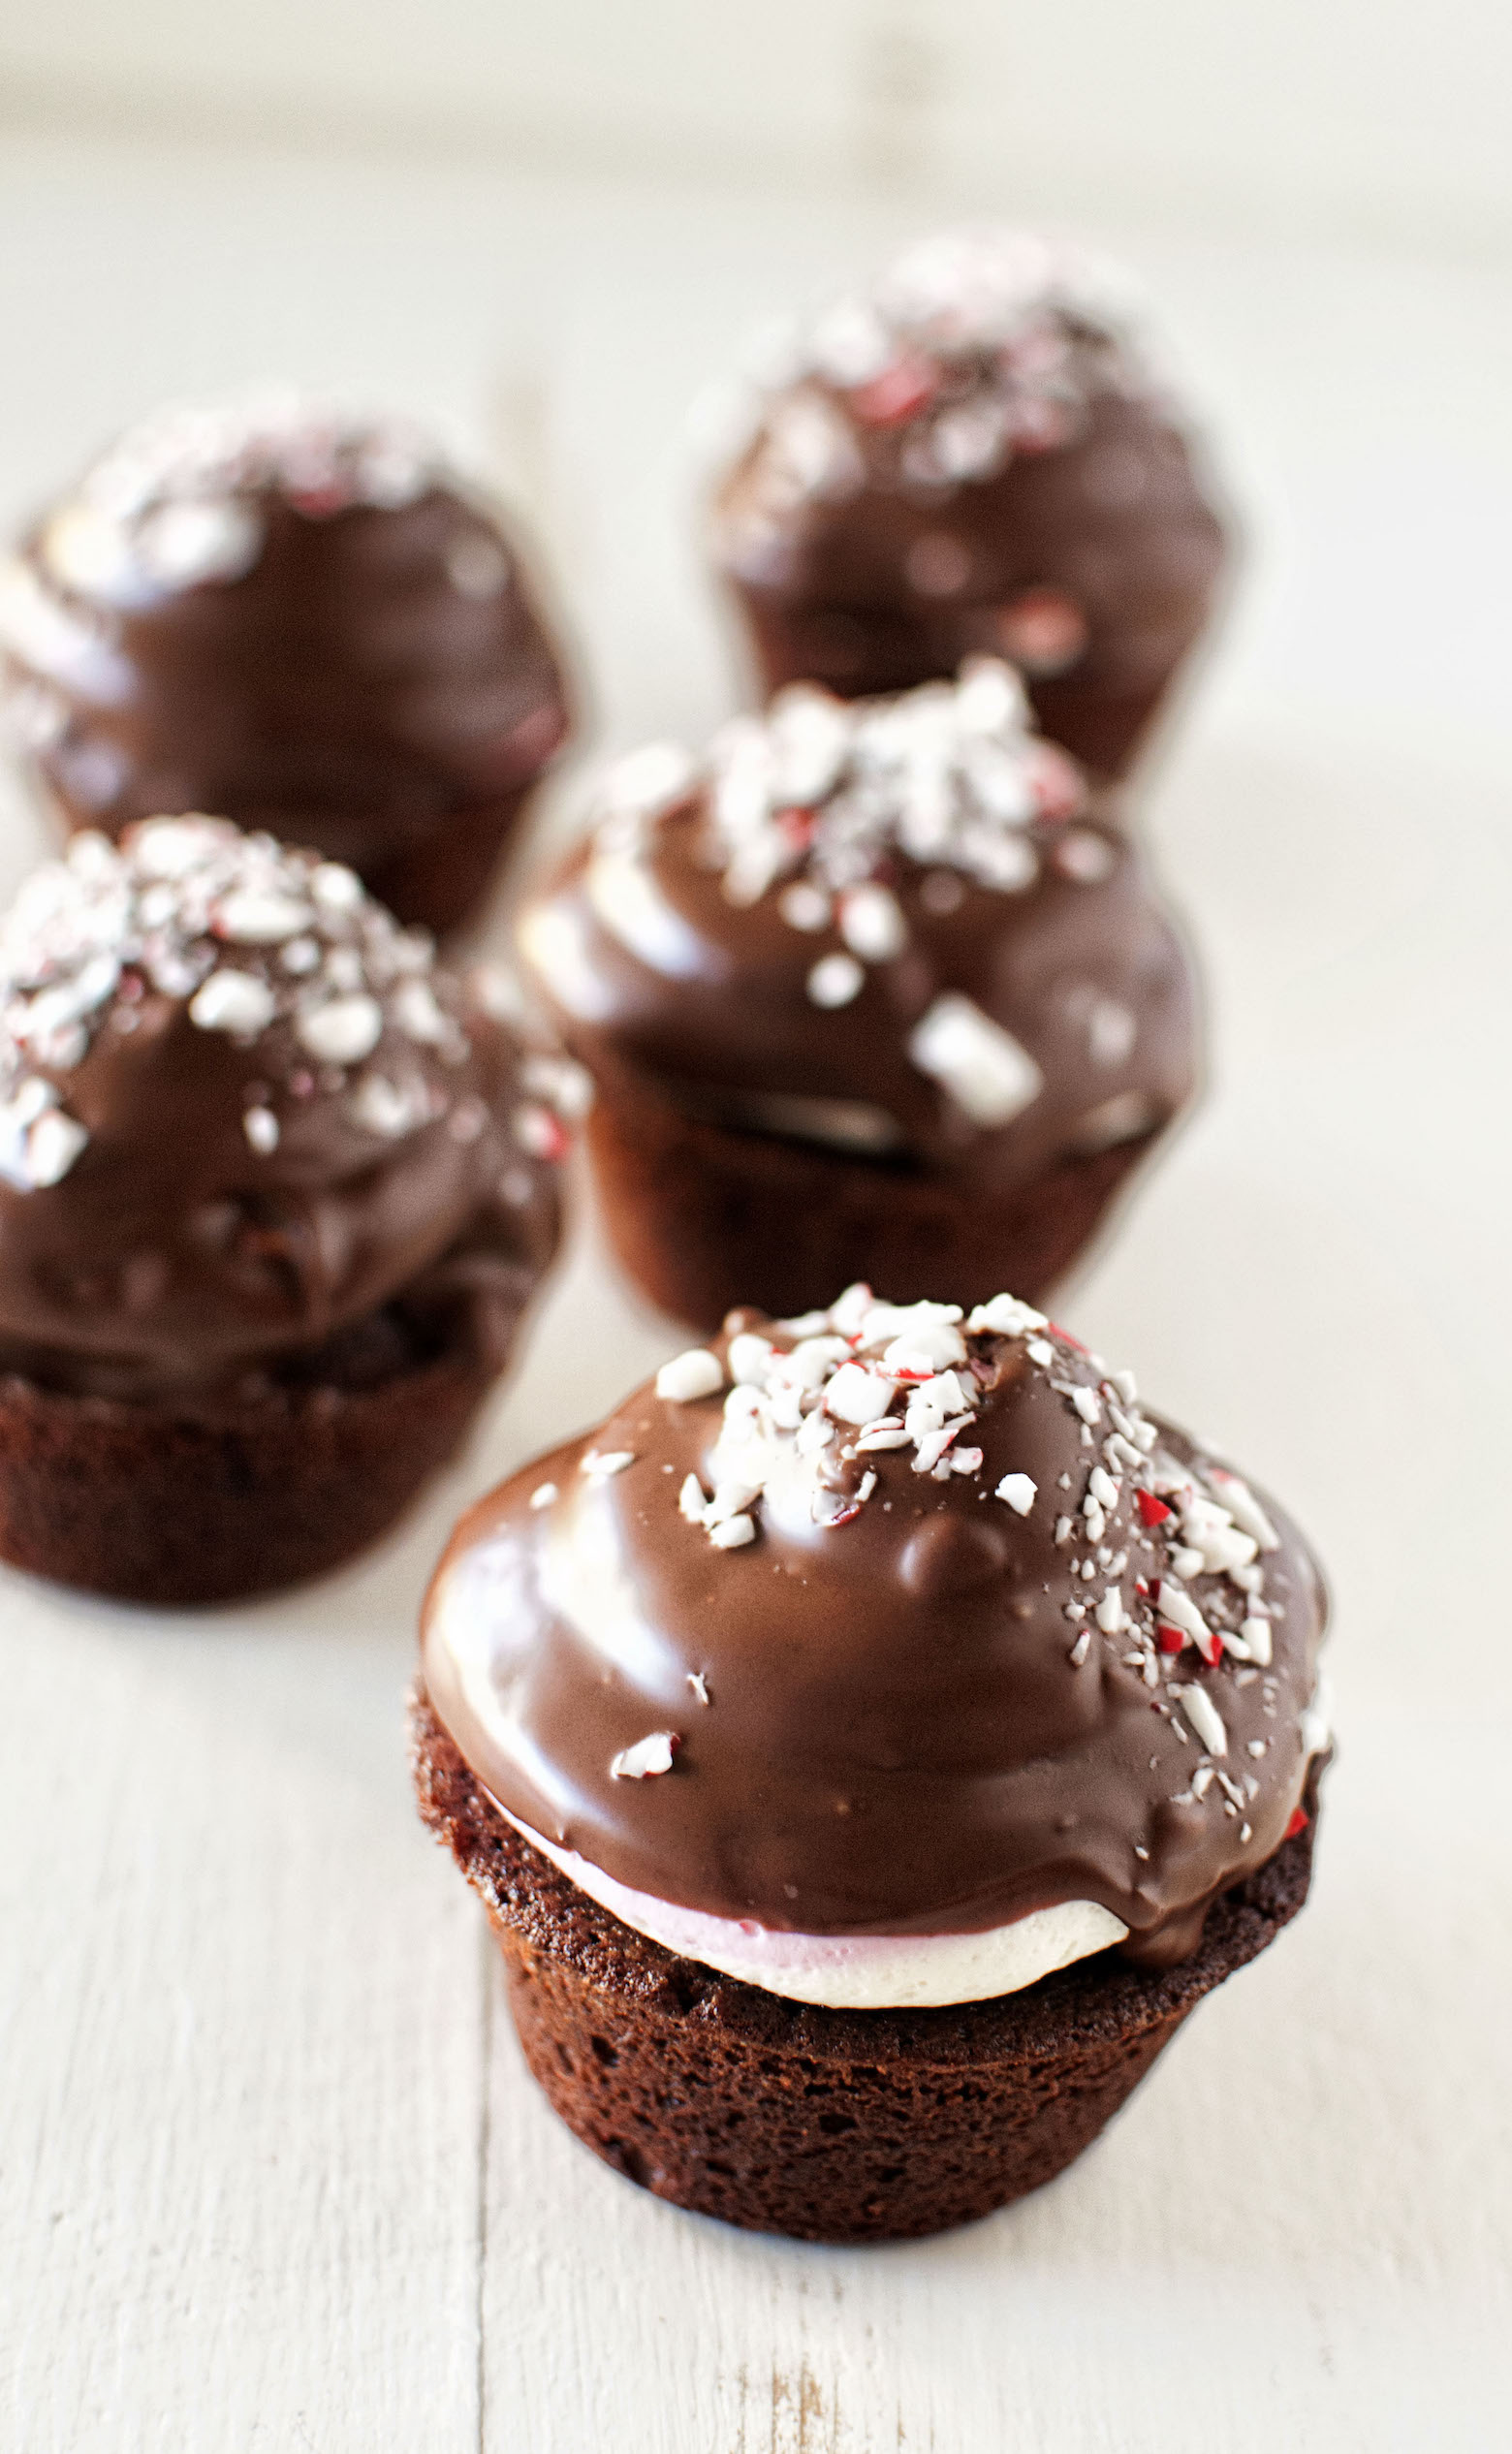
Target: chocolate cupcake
<point x="880" y="986"/>
<point x="974" y="457"/>
<point x="870" y="1745"/>
<point x="275" y="1192"/>
<point x="297" y="618"/>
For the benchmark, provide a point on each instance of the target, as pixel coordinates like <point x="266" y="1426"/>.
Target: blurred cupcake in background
<point x="879" y="987"/>
<point x="275" y="1192"/>
<point x="973" y="455"/>
<point x="298" y="618"/>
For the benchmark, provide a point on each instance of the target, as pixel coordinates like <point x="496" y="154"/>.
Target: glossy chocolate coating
<point x="377" y="672"/>
<point x="176" y="1254"/>
<point x="1087" y="973"/>
<point x="898" y="1735"/>
<point x="1084" y="546"/>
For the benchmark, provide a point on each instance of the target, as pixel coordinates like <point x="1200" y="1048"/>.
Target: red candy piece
<point x="1300" y="1820"/>
<point x="322" y="502"/>
<point x="548" y="1138"/>
<point x="1070" y="1340"/>
<point x="893" y="397"/>
<point x="1151" y="1511"/>
<point x="1171" y="1638"/>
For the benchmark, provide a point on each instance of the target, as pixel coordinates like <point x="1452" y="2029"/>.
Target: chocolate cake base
<point x="704" y="1218"/>
<point x="861" y="653"/>
<point x="827" y="2125"/>
<point x="152" y="1502"/>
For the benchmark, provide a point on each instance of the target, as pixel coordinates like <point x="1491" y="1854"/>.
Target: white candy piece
<point x="732" y="1534"/>
<point x="343" y="1031"/>
<point x="647" y="1758"/>
<point x="261" y="1127"/>
<point x="419" y="1016"/>
<point x="1008" y="1318"/>
<point x="858" y="1396"/>
<point x="1020" y="1491"/>
<point x="1255" y="1635"/>
<point x="695" y="1374"/>
<point x="254" y="917"/>
<point x="382" y="1108"/>
<point x="927" y="1342"/>
<point x="52" y="1145"/>
<point x="1205" y="1717"/>
<point x="599" y="1462"/>
<point x="337" y="887"/>
<point x="1178" y="1610"/>
<point x="849" y="1313"/>
<point x="543" y="1494"/>
<point x="234" y="1001"/>
<point x="804" y="907"/>
<point x="982" y="1066"/>
<point x="836" y="980"/>
<point x="1243" y="1507"/>
<point x="750" y="1358"/>
<point x="872" y="924"/>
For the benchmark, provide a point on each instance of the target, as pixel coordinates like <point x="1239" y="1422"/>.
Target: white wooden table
<point x="273" y="2174"/>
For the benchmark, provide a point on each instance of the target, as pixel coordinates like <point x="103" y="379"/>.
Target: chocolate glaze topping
<point x="294" y="617"/>
<point x="242" y="1116"/>
<point x="974" y="457"/>
<point x="917" y="1626"/>
<point x="903" y="930"/>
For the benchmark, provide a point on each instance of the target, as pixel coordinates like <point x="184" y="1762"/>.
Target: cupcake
<point x="301" y="620"/>
<point x="274" y="1192"/>
<point x="879" y="987"/>
<point x="870" y="1745"/>
<point x="974" y="457"/>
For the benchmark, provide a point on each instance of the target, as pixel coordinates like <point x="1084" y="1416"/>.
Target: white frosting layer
<point x="859" y="1972"/>
<point x="854" y="1973"/>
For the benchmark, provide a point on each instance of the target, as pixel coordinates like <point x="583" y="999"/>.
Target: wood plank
<point x="242" y="2017"/>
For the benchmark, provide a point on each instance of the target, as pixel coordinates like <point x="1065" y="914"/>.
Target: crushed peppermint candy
<point x="1205" y="1717"/>
<point x="173" y="503"/>
<point x="836" y="980"/>
<point x="1019" y="1490"/>
<point x="648" y="1757"/>
<point x="273" y="950"/>
<point x="697" y="1373"/>
<point x="599" y="1463"/>
<point x="815" y="802"/>
<point x="813" y="1413"/>
<point x="972" y="346"/>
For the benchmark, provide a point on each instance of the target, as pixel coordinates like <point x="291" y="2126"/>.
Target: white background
<point x="1373" y="116"/>
<point x="270" y="2173"/>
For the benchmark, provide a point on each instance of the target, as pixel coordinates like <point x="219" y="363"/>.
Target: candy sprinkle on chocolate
<point x="818" y="1409"/>
<point x="275" y="950"/>
<point x="648" y="1757"/>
